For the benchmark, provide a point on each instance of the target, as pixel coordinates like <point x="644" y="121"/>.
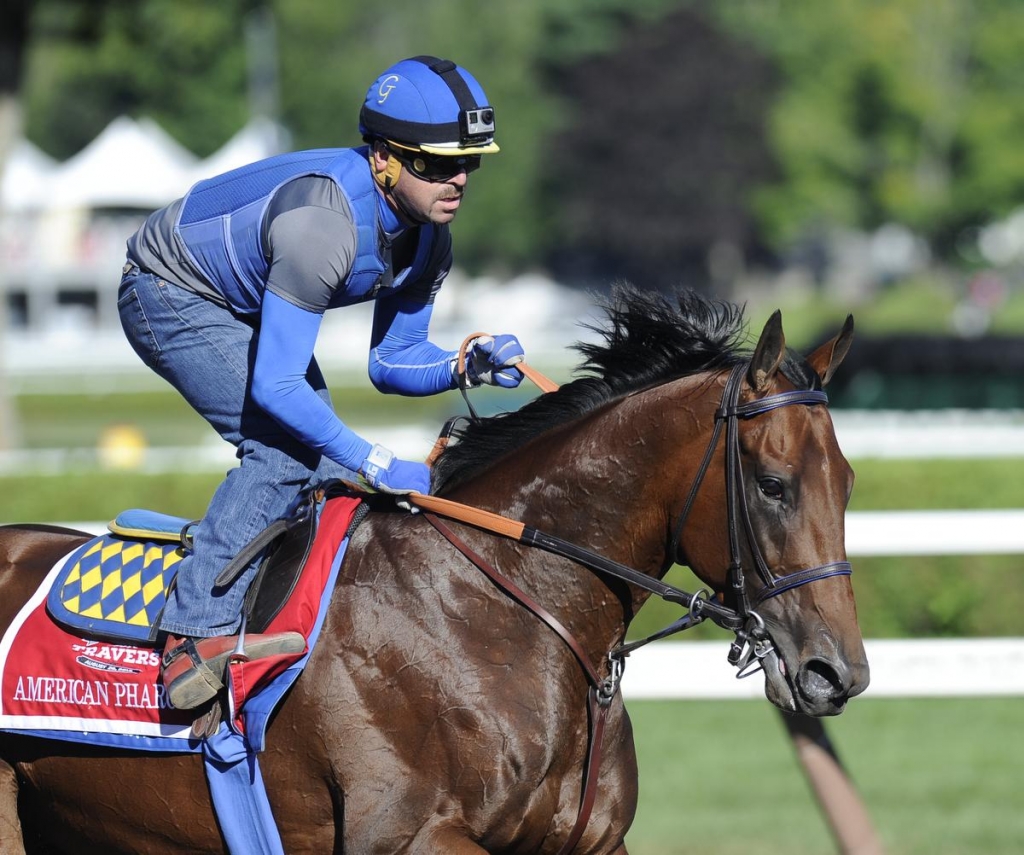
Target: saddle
<point x="114" y="588"/>
<point x="69" y="684"/>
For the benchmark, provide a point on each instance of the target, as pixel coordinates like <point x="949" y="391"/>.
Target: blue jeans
<point x="207" y="352"/>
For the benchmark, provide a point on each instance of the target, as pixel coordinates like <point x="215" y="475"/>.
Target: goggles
<point x="434" y="167"/>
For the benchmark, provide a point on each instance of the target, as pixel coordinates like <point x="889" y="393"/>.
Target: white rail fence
<point x="975" y="667"/>
<point x="905" y="668"/>
<point x="900" y="668"/>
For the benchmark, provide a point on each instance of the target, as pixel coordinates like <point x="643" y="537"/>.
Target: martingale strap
<point x="599" y="696"/>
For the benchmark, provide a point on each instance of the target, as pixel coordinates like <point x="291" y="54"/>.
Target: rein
<point x="528" y="536"/>
<point x="752" y="643"/>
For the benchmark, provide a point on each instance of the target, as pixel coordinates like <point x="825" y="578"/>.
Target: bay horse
<point x="437" y="714"/>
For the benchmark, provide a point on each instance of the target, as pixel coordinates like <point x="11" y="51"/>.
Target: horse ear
<point x="827" y="358"/>
<point x="768" y="355"/>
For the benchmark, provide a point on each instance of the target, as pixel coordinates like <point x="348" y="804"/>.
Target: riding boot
<point x="192" y="669"/>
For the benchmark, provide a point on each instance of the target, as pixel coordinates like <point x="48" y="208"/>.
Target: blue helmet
<point x="431" y="104"/>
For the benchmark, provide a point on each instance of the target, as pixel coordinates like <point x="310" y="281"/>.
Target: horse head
<point x="788" y="576"/>
<point x="612" y="462"/>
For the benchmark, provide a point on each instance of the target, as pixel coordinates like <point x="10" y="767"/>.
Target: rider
<point x="223" y="294"/>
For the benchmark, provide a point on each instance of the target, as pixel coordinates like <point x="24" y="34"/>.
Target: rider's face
<point x="426" y="201"/>
<point x="436" y="201"/>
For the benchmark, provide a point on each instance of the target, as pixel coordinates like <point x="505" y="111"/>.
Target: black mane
<point x="648" y="340"/>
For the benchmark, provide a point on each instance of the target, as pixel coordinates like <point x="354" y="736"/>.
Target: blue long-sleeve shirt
<point x="309" y="238"/>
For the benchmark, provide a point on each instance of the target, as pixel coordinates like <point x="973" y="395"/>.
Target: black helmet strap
<point x="448" y="72"/>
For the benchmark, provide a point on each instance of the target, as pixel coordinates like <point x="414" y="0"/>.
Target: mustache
<point x="450" y="193"/>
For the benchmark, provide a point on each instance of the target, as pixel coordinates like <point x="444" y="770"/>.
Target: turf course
<point x="939" y="777"/>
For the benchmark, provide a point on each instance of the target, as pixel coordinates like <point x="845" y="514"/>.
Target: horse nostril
<point x="819" y="680"/>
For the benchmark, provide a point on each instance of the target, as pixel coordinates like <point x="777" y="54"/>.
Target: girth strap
<point x="598" y="697"/>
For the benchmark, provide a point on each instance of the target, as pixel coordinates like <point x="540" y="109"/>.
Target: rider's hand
<point x="491" y="360"/>
<point x="389" y="474"/>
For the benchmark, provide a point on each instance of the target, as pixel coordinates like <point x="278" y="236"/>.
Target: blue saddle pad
<point x="115" y="586"/>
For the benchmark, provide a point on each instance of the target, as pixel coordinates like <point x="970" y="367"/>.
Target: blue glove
<point x="389" y="474"/>
<point x="491" y="360"/>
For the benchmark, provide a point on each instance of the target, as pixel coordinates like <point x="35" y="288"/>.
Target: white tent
<point x="23" y="185"/>
<point x="131" y="164"/>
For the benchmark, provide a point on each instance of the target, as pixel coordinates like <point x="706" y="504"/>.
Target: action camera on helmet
<point x="476" y="124"/>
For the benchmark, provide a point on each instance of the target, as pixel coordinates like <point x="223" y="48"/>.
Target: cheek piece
<point x="387" y="179"/>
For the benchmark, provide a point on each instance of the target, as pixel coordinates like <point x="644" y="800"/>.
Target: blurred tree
<point x="650" y="180"/>
<point x="332" y="52"/>
<point x="634" y="135"/>
<point x="180" y="62"/>
<point x="891" y="110"/>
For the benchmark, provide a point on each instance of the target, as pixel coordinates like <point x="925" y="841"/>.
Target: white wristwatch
<point x="380" y="456"/>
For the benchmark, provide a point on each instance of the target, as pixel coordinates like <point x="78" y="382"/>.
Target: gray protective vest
<point x="220" y="225"/>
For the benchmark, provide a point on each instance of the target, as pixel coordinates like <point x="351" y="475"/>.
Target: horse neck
<point x="607" y="483"/>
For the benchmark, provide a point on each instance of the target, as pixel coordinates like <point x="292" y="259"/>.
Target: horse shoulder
<point x="433" y="657"/>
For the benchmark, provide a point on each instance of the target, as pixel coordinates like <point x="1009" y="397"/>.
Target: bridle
<point x="752" y="643"/>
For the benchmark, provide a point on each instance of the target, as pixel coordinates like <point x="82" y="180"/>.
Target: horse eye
<point x="771" y="487"/>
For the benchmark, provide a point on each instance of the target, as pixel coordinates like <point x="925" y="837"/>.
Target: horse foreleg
<point x="11" y="840"/>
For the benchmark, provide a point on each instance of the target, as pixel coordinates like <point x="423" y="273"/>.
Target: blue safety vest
<point x="220" y="224"/>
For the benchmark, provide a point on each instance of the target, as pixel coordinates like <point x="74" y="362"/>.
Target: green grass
<point x="98" y="495"/>
<point x="938" y="777"/>
<point x="808" y="318"/>
<point x="165" y="419"/>
<point x="887" y="485"/>
<point x="921" y="305"/>
<point x="73" y="420"/>
<point x="945" y="596"/>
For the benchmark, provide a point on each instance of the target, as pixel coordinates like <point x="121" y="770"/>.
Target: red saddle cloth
<point x="53" y="680"/>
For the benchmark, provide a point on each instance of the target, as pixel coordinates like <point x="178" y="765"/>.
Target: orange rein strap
<point x="539" y="380"/>
<point x="468" y="514"/>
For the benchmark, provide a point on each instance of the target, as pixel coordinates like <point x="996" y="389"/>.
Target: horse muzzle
<point x="819" y="685"/>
